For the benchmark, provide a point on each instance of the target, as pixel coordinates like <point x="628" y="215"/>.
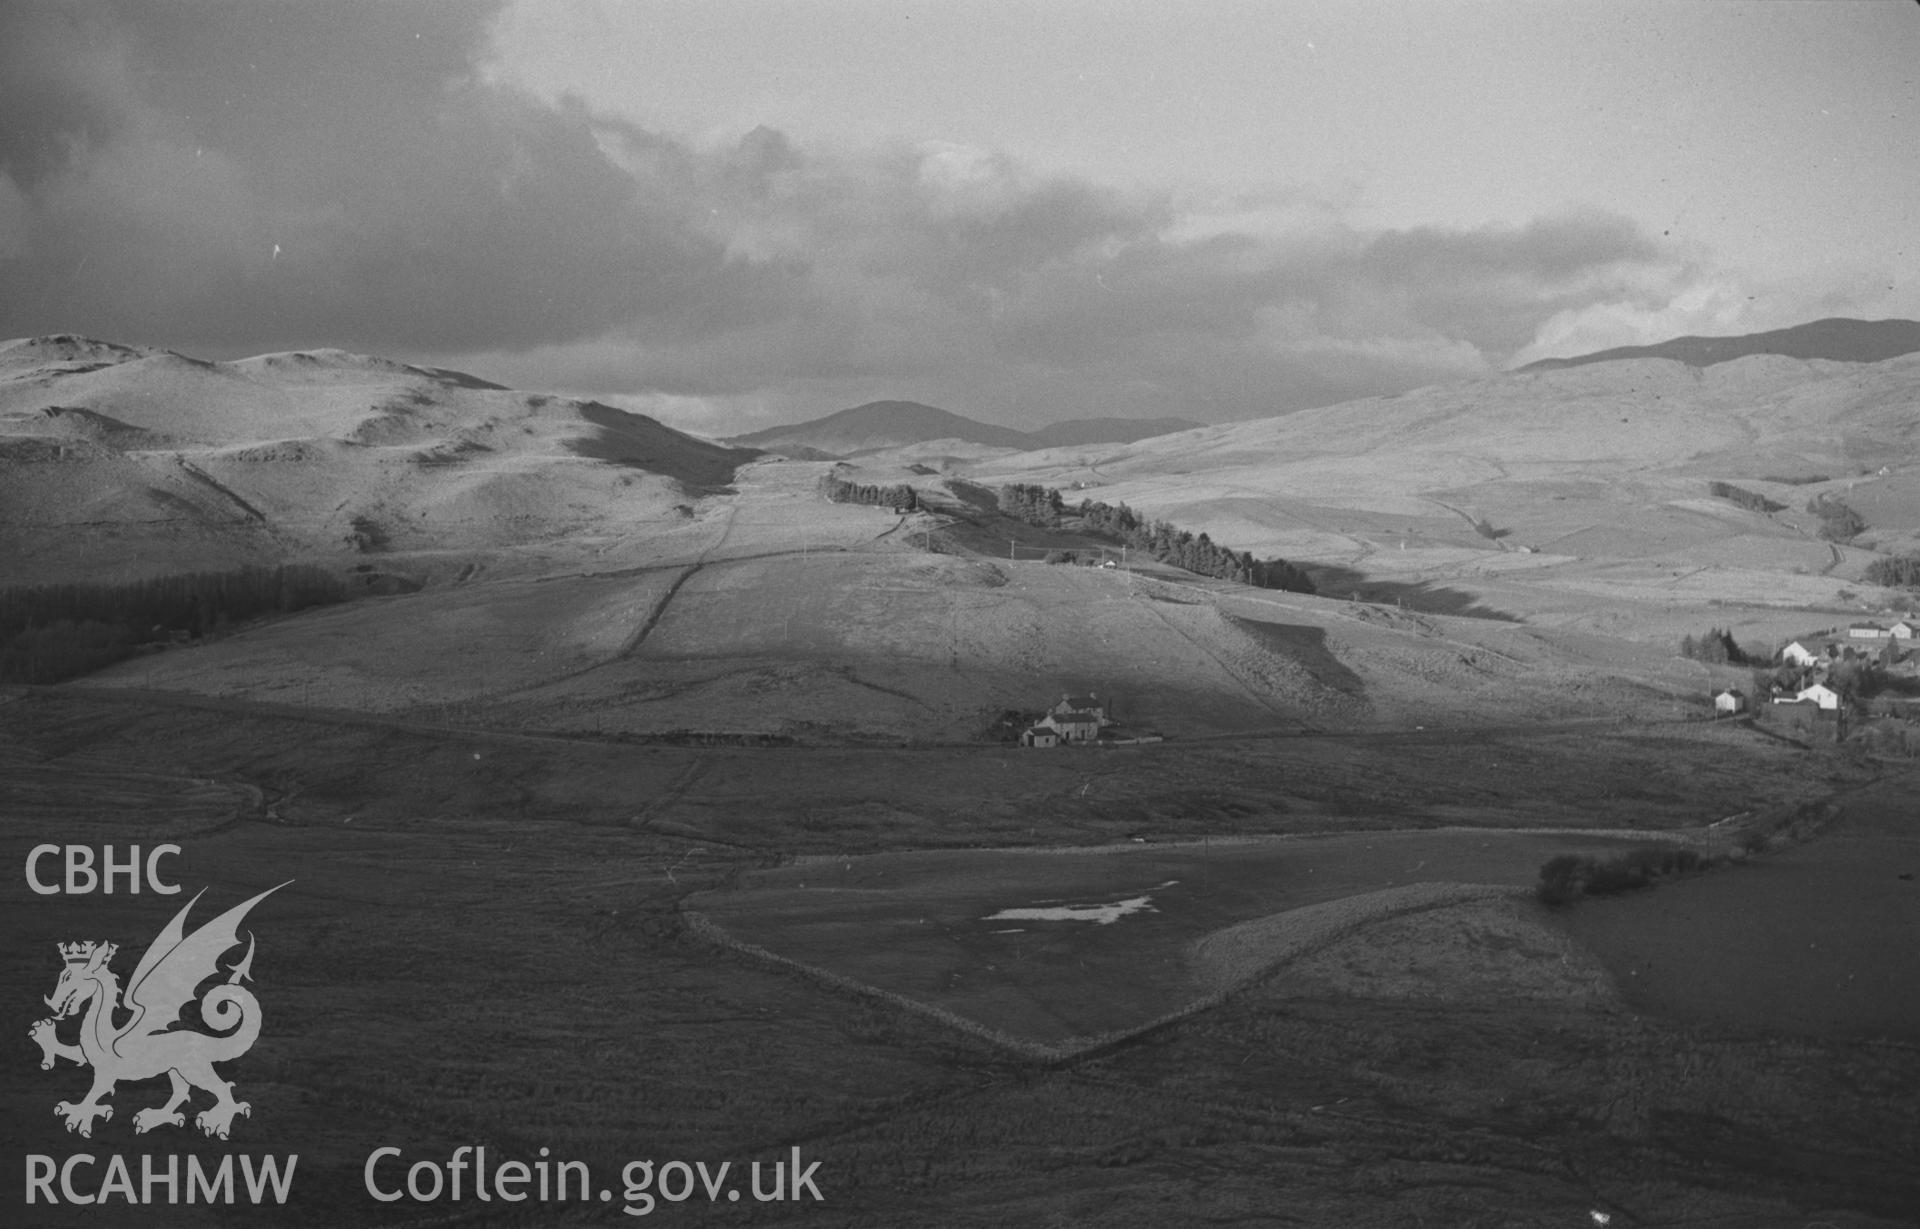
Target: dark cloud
<point x="62" y="77"/>
<point x="247" y="175"/>
<point x="239" y="177"/>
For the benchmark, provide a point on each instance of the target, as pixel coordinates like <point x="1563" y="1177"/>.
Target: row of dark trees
<point x="1717" y="647"/>
<point x="1196" y="553"/>
<point x="898" y="496"/>
<point x="1898" y="570"/>
<point x="1036" y="505"/>
<point x="1753" y="501"/>
<point x="1568" y="876"/>
<point x="58" y="631"/>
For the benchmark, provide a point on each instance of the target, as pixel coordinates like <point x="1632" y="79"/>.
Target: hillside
<point x="1564" y="502"/>
<point x="1577" y="496"/>
<point x="118" y="459"/>
<point x="1106" y="431"/>
<point x="1838" y="339"/>
<point x="882" y="425"/>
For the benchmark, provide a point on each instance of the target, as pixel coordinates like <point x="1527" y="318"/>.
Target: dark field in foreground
<point x="484" y="944"/>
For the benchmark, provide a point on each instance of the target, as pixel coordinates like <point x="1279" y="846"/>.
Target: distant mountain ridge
<point x="1838" y="339"/>
<point x="880" y="425"/>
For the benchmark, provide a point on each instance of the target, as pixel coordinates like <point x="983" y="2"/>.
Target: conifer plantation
<point x="59" y="631"/>
<point x="1166" y="543"/>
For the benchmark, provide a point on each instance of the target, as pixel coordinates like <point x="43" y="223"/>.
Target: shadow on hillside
<point x="977" y="526"/>
<point x="640" y="442"/>
<point x="974" y="496"/>
<point x="1334" y="581"/>
<point x="1306" y="645"/>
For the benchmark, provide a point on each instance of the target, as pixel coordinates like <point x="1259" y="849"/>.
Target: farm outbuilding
<point x="1731" y="700"/>
<point x="1039" y="736"/>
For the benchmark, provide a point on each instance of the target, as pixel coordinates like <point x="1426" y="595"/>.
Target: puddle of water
<point x="1100" y="915"/>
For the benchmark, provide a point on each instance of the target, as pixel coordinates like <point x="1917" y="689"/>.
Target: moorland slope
<point x="1572" y="496"/>
<point x="118" y="460"/>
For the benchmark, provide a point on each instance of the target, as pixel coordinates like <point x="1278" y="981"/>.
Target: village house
<point x="1729" y="701"/>
<point x="1820" y="694"/>
<point x="1089" y="703"/>
<point x="1075" y="719"/>
<point x="1903" y="630"/>
<point x="1797" y="654"/>
<point x="1866" y="631"/>
<point x="1072" y="726"/>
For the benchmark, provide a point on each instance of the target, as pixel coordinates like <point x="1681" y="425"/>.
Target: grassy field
<point x="777" y="613"/>
<point x="486" y="942"/>
<point x="924" y="926"/>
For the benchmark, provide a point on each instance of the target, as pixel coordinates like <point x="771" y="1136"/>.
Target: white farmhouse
<point x="1797" y="654"/>
<point x="1089" y="703"/>
<point x="1730" y="701"/>
<point x="1072" y="726"/>
<point x="1821" y="694"/>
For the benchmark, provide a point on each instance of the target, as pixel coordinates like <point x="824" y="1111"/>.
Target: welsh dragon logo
<point x="149" y="1040"/>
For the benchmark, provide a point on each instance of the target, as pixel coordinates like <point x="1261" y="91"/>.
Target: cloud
<point x="247" y="175"/>
<point x="236" y="177"/>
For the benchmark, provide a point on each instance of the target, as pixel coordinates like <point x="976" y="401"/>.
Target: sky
<point x="731" y="214"/>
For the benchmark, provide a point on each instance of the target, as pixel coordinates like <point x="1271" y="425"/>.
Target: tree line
<point x="1752" y="501"/>
<point x="1896" y="571"/>
<point x="1838" y="522"/>
<point x="1196" y="553"/>
<point x="1569" y="876"/>
<point x="1717" y="647"/>
<point x="898" y="496"/>
<point x="1036" y="505"/>
<point x="56" y="631"/>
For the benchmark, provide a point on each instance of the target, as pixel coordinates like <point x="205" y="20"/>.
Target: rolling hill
<point x="1578" y="495"/>
<point x="1579" y="499"/>
<point x="1838" y="339"/>
<point x="118" y="459"/>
